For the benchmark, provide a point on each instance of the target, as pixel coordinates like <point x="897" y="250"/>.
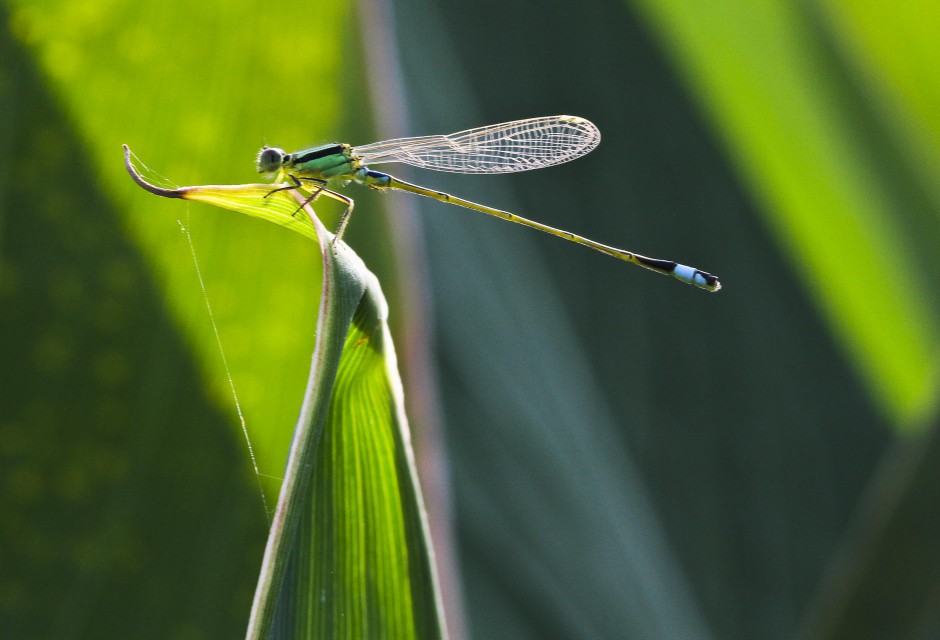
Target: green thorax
<point x="329" y="162"/>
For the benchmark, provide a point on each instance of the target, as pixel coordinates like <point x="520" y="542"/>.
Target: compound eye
<point x="270" y="159"/>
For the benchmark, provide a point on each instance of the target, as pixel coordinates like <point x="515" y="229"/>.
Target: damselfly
<point x="500" y="148"/>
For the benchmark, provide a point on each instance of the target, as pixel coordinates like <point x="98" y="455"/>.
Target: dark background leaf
<point x="749" y="427"/>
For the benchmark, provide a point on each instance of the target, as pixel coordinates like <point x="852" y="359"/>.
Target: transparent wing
<point x="499" y="148"/>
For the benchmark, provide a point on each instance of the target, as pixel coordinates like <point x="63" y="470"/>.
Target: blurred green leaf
<point x="891" y="48"/>
<point x="767" y="83"/>
<point x="196" y="90"/>
<point x="125" y="510"/>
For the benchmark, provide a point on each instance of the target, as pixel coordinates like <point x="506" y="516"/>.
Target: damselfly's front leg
<point x="297" y="185"/>
<point x="320" y="189"/>
<point x="320" y="186"/>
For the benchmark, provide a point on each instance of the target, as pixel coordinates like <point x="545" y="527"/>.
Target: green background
<point x="625" y="457"/>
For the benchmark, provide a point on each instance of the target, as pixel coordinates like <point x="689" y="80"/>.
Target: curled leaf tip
<point x="152" y="188"/>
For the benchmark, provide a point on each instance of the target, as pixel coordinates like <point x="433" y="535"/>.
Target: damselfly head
<point x="270" y="159"/>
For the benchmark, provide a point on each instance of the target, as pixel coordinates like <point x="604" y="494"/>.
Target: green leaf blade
<point x="357" y="529"/>
<point x="363" y="565"/>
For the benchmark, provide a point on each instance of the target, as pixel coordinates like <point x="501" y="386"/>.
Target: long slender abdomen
<point x="689" y="275"/>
